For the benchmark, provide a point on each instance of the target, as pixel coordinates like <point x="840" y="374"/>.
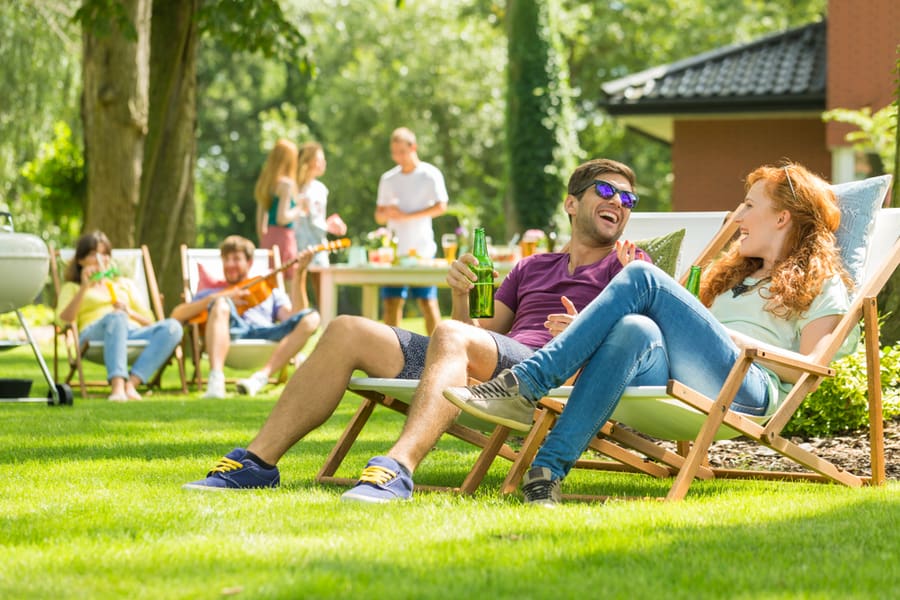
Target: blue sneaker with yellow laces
<point x="383" y="480"/>
<point x="236" y="471"/>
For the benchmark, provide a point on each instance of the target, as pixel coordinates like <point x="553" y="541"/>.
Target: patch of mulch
<point x="849" y="452"/>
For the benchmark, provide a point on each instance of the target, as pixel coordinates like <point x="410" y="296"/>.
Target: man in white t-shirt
<point x="409" y="196"/>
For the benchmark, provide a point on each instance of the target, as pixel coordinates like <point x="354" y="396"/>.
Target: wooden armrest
<point x="773" y="357"/>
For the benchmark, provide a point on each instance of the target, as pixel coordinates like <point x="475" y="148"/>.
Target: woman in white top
<point x="310" y="224"/>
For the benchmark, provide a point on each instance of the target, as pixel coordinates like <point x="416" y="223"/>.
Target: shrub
<point x="841" y="402"/>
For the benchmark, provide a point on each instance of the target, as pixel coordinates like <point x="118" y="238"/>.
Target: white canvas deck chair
<point x="134" y="263"/>
<point x="396" y="394"/>
<point x="244" y="355"/>
<point x="678" y="413"/>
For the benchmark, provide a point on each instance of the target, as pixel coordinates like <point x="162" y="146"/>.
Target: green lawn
<point x="92" y="508"/>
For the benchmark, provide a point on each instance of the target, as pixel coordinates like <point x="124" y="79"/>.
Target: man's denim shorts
<point x="414" y="347"/>
<point x="241" y="330"/>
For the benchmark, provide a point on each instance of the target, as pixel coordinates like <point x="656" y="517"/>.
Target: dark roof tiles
<point x="785" y="70"/>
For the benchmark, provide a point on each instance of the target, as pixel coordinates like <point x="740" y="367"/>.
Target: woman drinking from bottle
<point x="781" y="284"/>
<point x="107" y="307"/>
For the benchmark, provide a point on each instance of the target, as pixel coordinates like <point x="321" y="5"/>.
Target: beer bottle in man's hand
<point x="481" y="297"/>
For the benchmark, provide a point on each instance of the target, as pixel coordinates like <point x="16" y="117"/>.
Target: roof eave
<point x="743" y="104"/>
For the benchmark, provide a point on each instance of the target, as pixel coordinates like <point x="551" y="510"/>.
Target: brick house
<point x="727" y="111"/>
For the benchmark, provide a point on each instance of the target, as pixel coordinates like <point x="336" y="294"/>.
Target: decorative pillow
<point x="663" y="250"/>
<point x="206" y="280"/>
<point x="859" y="201"/>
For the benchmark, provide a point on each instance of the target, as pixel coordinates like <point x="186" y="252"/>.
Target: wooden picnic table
<point x="372" y="276"/>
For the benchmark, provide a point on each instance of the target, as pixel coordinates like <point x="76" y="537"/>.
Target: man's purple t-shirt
<point x="535" y="286"/>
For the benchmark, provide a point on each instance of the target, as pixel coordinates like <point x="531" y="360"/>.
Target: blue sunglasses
<point x="606" y="190"/>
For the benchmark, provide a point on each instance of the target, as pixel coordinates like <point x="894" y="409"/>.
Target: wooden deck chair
<point x="678" y="413"/>
<point x="244" y="355"/>
<point x="136" y="264"/>
<point x="395" y="394"/>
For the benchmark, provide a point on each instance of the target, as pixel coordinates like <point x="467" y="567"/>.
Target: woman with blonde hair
<point x="310" y="225"/>
<point x="276" y="202"/>
<point x="780" y="284"/>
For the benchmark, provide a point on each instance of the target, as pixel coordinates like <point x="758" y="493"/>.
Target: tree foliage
<point x="253" y="26"/>
<point x="57" y="187"/>
<point x="539" y="118"/>
<point x="441" y="75"/>
<point x="39" y="84"/>
<point x="347" y="73"/>
<point x="876" y="132"/>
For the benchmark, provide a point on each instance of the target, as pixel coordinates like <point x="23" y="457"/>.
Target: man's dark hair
<point x="236" y="243"/>
<point x="587" y="172"/>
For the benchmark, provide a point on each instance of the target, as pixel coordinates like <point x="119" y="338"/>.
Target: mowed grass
<point x="91" y="507"/>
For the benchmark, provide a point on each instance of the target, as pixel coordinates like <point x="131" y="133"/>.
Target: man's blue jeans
<point x="114" y="330"/>
<point x="643" y="329"/>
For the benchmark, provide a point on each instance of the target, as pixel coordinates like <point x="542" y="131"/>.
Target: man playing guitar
<point x="247" y="308"/>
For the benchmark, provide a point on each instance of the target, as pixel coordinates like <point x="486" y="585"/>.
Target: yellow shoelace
<point x="226" y="464"/>
<point x="377" y="475"/>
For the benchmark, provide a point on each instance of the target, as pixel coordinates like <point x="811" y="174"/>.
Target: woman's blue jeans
<point x="643" y="329"/>
<point x="114" y="330"/>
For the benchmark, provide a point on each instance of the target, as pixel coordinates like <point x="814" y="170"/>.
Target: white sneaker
<point x="253" y="384"/>
<point x="215" y="386"/>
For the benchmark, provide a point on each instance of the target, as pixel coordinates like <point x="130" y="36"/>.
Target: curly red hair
<point x="812" y="255"/>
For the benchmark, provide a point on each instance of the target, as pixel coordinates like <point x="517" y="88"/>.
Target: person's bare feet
<point x="131" y="393"/>
<point x="130" y="389"/>
<point x="117" y="390"/>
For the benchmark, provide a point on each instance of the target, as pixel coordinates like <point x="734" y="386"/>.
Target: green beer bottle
<point x="481" y="297"/>
<point x="693" y="282"/>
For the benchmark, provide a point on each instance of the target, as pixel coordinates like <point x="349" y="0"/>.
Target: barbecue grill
<point x="24" y="260"/>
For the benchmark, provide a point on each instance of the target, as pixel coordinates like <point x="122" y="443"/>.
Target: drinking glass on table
<point x="450" y="244"/>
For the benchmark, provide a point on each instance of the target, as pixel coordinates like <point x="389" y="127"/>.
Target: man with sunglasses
<point x="538" y="299"/>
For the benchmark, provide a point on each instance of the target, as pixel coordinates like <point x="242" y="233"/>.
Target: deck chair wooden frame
<point x="711" y="419"/>
<point x="244" y="355"/>
<point x="139" y="267"/>
<point x="395" y="394"/>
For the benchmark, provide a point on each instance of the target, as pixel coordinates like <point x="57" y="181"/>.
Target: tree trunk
<point x="166" y="215"/>
<point x="114" y="112"/>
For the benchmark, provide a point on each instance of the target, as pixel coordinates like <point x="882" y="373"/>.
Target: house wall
<point x="710" y="158"/>
<point x="863" y="36"/>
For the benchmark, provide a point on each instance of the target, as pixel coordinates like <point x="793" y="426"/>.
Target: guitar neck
<point x="331" y="246"/>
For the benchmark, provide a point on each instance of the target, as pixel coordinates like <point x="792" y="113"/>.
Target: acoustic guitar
<point x="260" y="287"/>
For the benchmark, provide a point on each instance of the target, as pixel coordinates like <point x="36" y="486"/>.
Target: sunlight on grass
<point x="92" y="508"/>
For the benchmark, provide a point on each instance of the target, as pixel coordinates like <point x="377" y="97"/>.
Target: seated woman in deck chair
<point x="106" y="307"/>
<point x="781" y="283"/>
